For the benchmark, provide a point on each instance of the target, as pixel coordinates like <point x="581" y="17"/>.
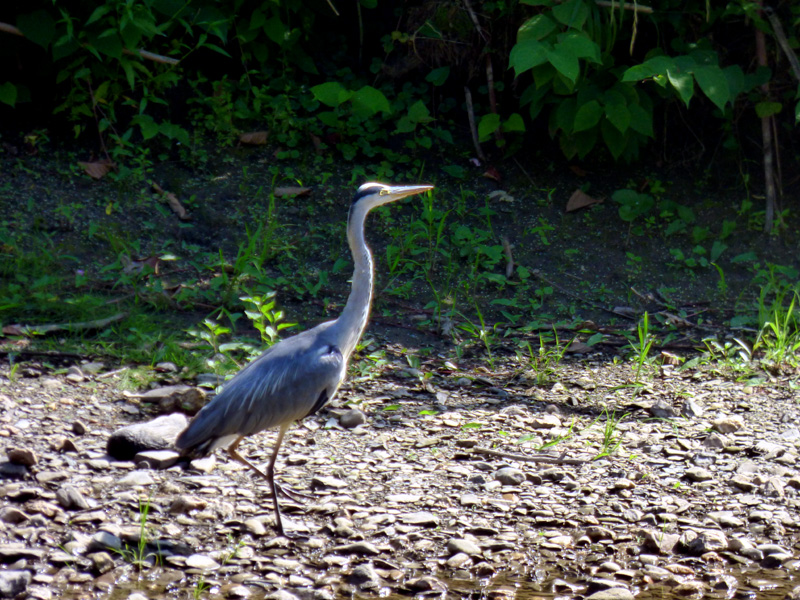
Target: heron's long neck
<point x="353" y="320"/>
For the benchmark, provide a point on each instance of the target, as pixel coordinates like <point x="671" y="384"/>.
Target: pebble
<point x="365" y="577"/>
<point x="462" y="546"/>
<point x="22" y="456"/>
<point x="352" y="418"/>
<point x="136" y="478"/>
<point x="728" y="424"/>
<point x="202" y="562"/>
<point x="509" y="476"/>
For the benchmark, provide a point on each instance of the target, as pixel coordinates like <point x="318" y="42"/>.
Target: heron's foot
<point x="291" y="494"/>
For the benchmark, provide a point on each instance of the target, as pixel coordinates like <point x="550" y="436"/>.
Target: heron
<point x="296" y="377"/>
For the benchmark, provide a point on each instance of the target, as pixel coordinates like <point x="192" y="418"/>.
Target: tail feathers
<point x="199" y="438"/>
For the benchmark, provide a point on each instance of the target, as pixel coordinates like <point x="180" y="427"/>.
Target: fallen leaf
<point x="12" y="330"/>
<point x="580" y="199"/>
<point x="501" y="195"/>
<point x="254" y="138"/>
<point x="492" y="173"/>
<point x="282" y="192"/>
<point x="97" y="169"/>
<point x="580" y="172"/>
<point x="173" y="203"/>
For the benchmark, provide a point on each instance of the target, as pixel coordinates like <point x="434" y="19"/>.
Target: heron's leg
<point x="286" y="492"/>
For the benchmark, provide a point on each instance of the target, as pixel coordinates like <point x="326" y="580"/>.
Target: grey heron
<point x="297" y="376"/>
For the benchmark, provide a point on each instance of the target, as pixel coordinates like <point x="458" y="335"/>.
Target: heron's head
<point x="373" y="194"/>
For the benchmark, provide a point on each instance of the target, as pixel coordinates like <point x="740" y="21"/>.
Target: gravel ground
<point x="433" y="481"/>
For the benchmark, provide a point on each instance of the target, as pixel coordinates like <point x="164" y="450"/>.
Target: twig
<point x="777" y="29"/>
<point x="509" y="256"/>
<point x="8" y="28"/>
<point x="472" y="127"/>
<point x="112" y="373"/>
<point x="81" y="326"/>
<point x="537" y="458"/>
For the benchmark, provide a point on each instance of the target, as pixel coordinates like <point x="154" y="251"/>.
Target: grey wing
<point x="290" y="381"/>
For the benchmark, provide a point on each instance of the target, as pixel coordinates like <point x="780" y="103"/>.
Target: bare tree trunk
<point x="767" y="141"/>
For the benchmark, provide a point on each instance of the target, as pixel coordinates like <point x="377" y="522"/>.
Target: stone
<point x="201" y="562"/>
<point x="698" y="474"/>
<point x="13" y="582"/>
<point x="707" y="540"/>
<point x="136" y="478"/>
<point x="176" y="397"/>
<point x="157" y="459"/>
<point x="70" y="498"/>
<point x="185" y="504"/>
<point x="421" y="519"/>
<point x="459" y="545"/>
<point x="158" y="434"/>
<point x="728" y="424"/>
<point x="352" y="418"/>
<point x="509" y="476"/>
<point x="364" y="548"/>
<point x="22" y="456"/>
<point x="364" y="577"/>
<point x="12" y="515"/>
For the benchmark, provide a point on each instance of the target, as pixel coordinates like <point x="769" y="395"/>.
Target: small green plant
<point x="138" y="555"/>
<point x="546" y="360"/>
<point x="486" y="335"/>
<point x="780" y="336"/>
<point x="200" y="587"/>
<point x="642" y="345"/>
<point x="612" y="439"/>
<point x="266" y="318"/>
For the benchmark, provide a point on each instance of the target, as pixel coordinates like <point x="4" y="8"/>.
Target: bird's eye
<point x="383" y="192"/>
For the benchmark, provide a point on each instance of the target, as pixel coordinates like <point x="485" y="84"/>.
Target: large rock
<point x="13" y="583"/>
<point x="158" y="434"/>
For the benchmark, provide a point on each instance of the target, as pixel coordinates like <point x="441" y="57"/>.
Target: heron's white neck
<point x="353" y="320"/>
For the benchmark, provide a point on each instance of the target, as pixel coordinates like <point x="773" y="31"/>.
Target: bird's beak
<point x="396" y="192"/>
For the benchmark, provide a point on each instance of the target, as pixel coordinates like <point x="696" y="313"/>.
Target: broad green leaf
<point x="735" y="77"/>
<point x="438" y="76"/>
<point x="488" y="125"/>
<point x="683" y="84"/>
<point x="8" y="93"/>
<point x="563" y="116"/>
<point x="564" y="62"/>
<point x="614" y="139"/>
<point x="369" y="3"/>
<point x="746" y="257"/>
<point x="98" y="13"/>
<point x="714" y="85"/>
<point x="536" y="28"/>
<point x="38" y="27"/>
<point x="641" y="120"/>
<point x="331" y="94"/>
<point x="759" y="78"/>
<point x="717" y="248"/>
<point x="276" y="30"/>
<point x="368" y="101"/>
<point x="619" y="116"/>
<point x="588" y="116"/>
<point x="658" y="65"/>
<point x="147" y="125"/>
<point x="537" y="2"/>
<point x="579" y="45"/>
<point x="767" y="109"/>
<point x="514" y="123"/>
<point x="526" y="55"/>
<point x="419" y="113"/>
<point x="109" y="44"/>
<point x="572" y="13"/>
